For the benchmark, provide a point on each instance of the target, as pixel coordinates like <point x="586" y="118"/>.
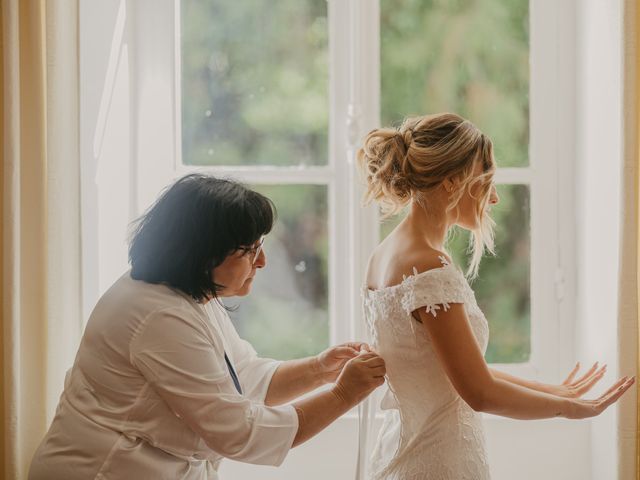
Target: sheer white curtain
<point x="629" y="248"/>
<point x="40" y="220"/>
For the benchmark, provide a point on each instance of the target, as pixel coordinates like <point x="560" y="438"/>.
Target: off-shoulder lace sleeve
<point x="435" y="289"/>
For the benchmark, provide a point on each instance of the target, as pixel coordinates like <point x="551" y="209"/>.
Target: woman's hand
<point x="359" y="377"/>
<point x="590" y="408"/>
<point x="576" y="388"/>
<point x="330" y="362"/>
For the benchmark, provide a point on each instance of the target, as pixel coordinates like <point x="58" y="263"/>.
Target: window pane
<point x="503" y="286"/>
<point x="254" y="82"/>
<point x="470" y="57"/>
<point x="287" y="313"/>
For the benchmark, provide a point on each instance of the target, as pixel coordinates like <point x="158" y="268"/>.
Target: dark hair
<point x="192" y="227"/>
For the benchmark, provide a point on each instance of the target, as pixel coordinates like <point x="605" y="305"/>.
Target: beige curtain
<point x="630" y="249"/>
<point x="40" y="218"/>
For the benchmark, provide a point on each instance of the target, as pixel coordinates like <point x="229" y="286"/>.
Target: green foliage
<point x="502" y="287"/>
<point x="255" y="92"/>
<point x="282" y="329"/>
<point x="287" y="313"/>
<point x="254" y="82"/>
<point x="470" y="57"/>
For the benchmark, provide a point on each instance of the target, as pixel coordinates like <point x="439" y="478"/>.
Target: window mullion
<point x="552" y="107"/>
<point x="360" y="114"/>
<point x="266" y="175"/>
<point x="338" y="199"/>
<point x="355" y="93"/>
<point x="506" y="176"/>
<point x="365" y="225"/>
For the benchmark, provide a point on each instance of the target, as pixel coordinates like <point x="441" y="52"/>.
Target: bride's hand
<point x="590" y="408"/>
<point x="574" y="387"/>
<point x="332" y="360"/>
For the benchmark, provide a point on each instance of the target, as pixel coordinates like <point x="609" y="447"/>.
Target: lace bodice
<point x="429" y="432"/>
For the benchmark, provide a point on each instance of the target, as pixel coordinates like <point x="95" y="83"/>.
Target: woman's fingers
<point x="345" y="352"/>
<point x="615" y="394"/>
<point x="367" y="356"/>
<point x="379" y="371"/>
<point x="572" y="374"/>
<point x="590" y="375"/>
<point x="570" y="380"/>
<point x="371" y="359"/>
<point x="589" y="372"/>
<point x="356" y="345"/>
<point x="374" y="362"/>
<point x="613" y="387"/>
<point x="584" y="386"/>
<point x="590" y="408"/>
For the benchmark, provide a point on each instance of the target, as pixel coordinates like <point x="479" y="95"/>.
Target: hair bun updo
<point x="383" y="158"/>
<point x="418" y="156"/>
<point x="409" y="163"/>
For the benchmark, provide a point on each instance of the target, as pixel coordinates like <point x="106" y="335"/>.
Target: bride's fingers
<point x="614" y="387"/>
<point x="589" y="372"/>
<point x="587" y="376"/>
<point x="610" y="396"/>
<point x="587" y="383"/>
<point x="616" y="394"/>
<point x="586" y="386"/>
<point x="572" y="374"/>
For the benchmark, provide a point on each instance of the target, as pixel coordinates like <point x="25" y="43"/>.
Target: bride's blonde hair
<point x="405" y="164"/>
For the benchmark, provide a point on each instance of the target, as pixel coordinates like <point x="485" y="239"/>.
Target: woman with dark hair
<point x="162" y="386"/>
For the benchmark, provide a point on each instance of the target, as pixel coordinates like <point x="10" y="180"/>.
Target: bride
<point x="423" y="316"/>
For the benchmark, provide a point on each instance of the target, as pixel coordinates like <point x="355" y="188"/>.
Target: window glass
<point x="254" y="82"/>
<point x="470" y="57"/>
<point x="286" y="315"/>
<point x="503" y="285"/>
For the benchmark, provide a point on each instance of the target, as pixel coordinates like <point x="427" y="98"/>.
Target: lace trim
<point x="435" y="289"/>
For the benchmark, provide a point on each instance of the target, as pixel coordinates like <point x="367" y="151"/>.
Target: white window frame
<point x="154" y="149"/>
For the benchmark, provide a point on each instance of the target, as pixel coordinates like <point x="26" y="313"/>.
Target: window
<point x="472" y="58"/>
<point x="263" y="107"/>
<point x="216" y="86"/>
<point x="279" y="95"/>
<point x="257" y="101"/>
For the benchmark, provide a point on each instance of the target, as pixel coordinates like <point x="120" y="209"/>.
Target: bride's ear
<point x="447" y="184"/>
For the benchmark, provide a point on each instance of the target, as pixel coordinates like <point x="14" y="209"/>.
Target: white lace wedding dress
<point x="428" y="432"/>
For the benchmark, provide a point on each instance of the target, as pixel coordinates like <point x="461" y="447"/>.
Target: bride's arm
<point x="470" y="375"/>
<point x="570" y="388"/>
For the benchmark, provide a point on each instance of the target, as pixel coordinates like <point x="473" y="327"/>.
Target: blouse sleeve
<point x="434" y="290"/>
<point x="178" y="356"/>
<point x="254" y="372"/>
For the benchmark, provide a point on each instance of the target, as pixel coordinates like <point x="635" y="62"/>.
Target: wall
<point x="599" y="161"/>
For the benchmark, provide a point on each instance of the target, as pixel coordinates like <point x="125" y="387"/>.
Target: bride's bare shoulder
<point x="392" y="261"/>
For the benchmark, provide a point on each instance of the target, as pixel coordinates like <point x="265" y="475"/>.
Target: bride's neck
<point x="430" y="225"/>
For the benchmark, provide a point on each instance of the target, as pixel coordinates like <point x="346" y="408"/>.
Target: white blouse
<point x="151" y="397"/>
